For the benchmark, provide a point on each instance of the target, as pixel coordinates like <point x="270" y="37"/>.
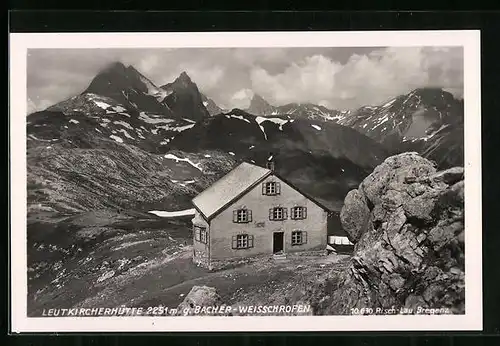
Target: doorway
<point x="278" y="242"/>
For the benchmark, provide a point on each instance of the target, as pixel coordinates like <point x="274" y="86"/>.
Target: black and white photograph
<point x="246" y="181"/>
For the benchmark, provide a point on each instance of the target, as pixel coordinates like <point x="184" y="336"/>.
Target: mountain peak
<point x="258" y="105"/>
<point x="184" y="76"/>
<point x="116" y="66"/>
<point x="258" y="98"/>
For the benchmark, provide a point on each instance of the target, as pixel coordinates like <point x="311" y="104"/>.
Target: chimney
<point x="270" y="162"/>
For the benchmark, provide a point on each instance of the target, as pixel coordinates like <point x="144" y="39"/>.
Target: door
<point x="278" y="242"/>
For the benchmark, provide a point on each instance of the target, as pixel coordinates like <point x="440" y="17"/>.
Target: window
<point x="278" y="213"/>
<point x="201" y="234"/>
<point x="242" y="216"/>
<point x="271" y="188"/>
<point x="298" y="213"/>
<point x="299" y="237"/>
<point x="242" y="241"/>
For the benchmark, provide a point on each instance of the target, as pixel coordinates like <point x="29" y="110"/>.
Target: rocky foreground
<point x="407" y="222"/>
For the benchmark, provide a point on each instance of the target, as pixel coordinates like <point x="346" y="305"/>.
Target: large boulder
<point x="199" y="296"/>
<point x="407" y="223"/>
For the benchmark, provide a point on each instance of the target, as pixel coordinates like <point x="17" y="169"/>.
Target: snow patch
<point x="231" y="153"/>
<point x="162" y="213"/>
<point x="177" y="129"/>
<point x="240" y="117"/>
<point x="316" y="127"/>
<point x="74" y="121"/>
<point x="278" y="121"/>
<point x="183" y="183"/>
<point x="125" y="133"/>
<point x="119" y="109"/>
<point x="101" y="104"/>
<point x="150" y="120"/>
<point x="116" y="138"/>
<point x="189" y="120"/>
<point x="251" y="147"/>
<point x="206" y="155"/>
<point x="389" y="103"/>
<point x="177" y="159"/>
<point x="124" y="124"/>
<point x="42" y="140"/>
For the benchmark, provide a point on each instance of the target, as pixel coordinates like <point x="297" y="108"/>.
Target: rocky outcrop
<point x="199" y="296"/>
<point x="407" y="223"/>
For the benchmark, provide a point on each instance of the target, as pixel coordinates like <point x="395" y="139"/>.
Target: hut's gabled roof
<point x="229" y="188"/>
<point x="235" y="184"/>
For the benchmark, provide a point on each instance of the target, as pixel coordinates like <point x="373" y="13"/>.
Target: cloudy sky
<point x="339" y="78"/>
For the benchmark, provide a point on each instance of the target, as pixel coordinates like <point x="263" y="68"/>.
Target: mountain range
<point x="327" y="152"/>
<point x="101" y="161"/>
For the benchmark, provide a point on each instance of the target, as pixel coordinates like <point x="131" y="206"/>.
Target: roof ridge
<point x="229" y="188"/>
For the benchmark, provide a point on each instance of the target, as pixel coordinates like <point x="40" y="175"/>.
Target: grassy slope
<point x="110" y="260"/>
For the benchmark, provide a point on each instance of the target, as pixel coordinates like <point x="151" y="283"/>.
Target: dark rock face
<point x="185" y="99"/>
<point x="130" y="88"/>
<point x="409" y="253"/>
<point x="325" y="160"/>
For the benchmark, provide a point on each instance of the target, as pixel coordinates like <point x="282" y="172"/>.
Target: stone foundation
<point x="200" y="258"/>
<point x="311" y="253"/>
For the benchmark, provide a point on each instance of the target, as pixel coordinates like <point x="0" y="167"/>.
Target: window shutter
<point x="304" y="212"/>
<point x="263" y="188"/>
<point x="278" y="188"/>
<point x="285" y="213"/>
<point x="235" y="242"/>
<point x="304" y="237"/>
<point x="250" y="241"/>
<point x="271" y="214"/>
<point x="249" y="215"/>
<point x="235" y="215"/>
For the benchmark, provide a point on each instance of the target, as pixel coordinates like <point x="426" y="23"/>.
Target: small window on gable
<point x="299" y="237"/>
<point x="242" y="241"/>
<point x="298" y="213"/>
<point x="278" y="213"/>
<point x="200" y="234"/>
<point x="271" y="188"/>
<point x="242" y="215"/>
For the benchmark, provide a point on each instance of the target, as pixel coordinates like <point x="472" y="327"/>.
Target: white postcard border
<point x="468" y="39"/>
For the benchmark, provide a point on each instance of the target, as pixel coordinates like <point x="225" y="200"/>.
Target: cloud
<point x="308" y="81"/>
<point x="241" y="99"/>
<point x="339" y="77"/>
<point x="364" y="79"/>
